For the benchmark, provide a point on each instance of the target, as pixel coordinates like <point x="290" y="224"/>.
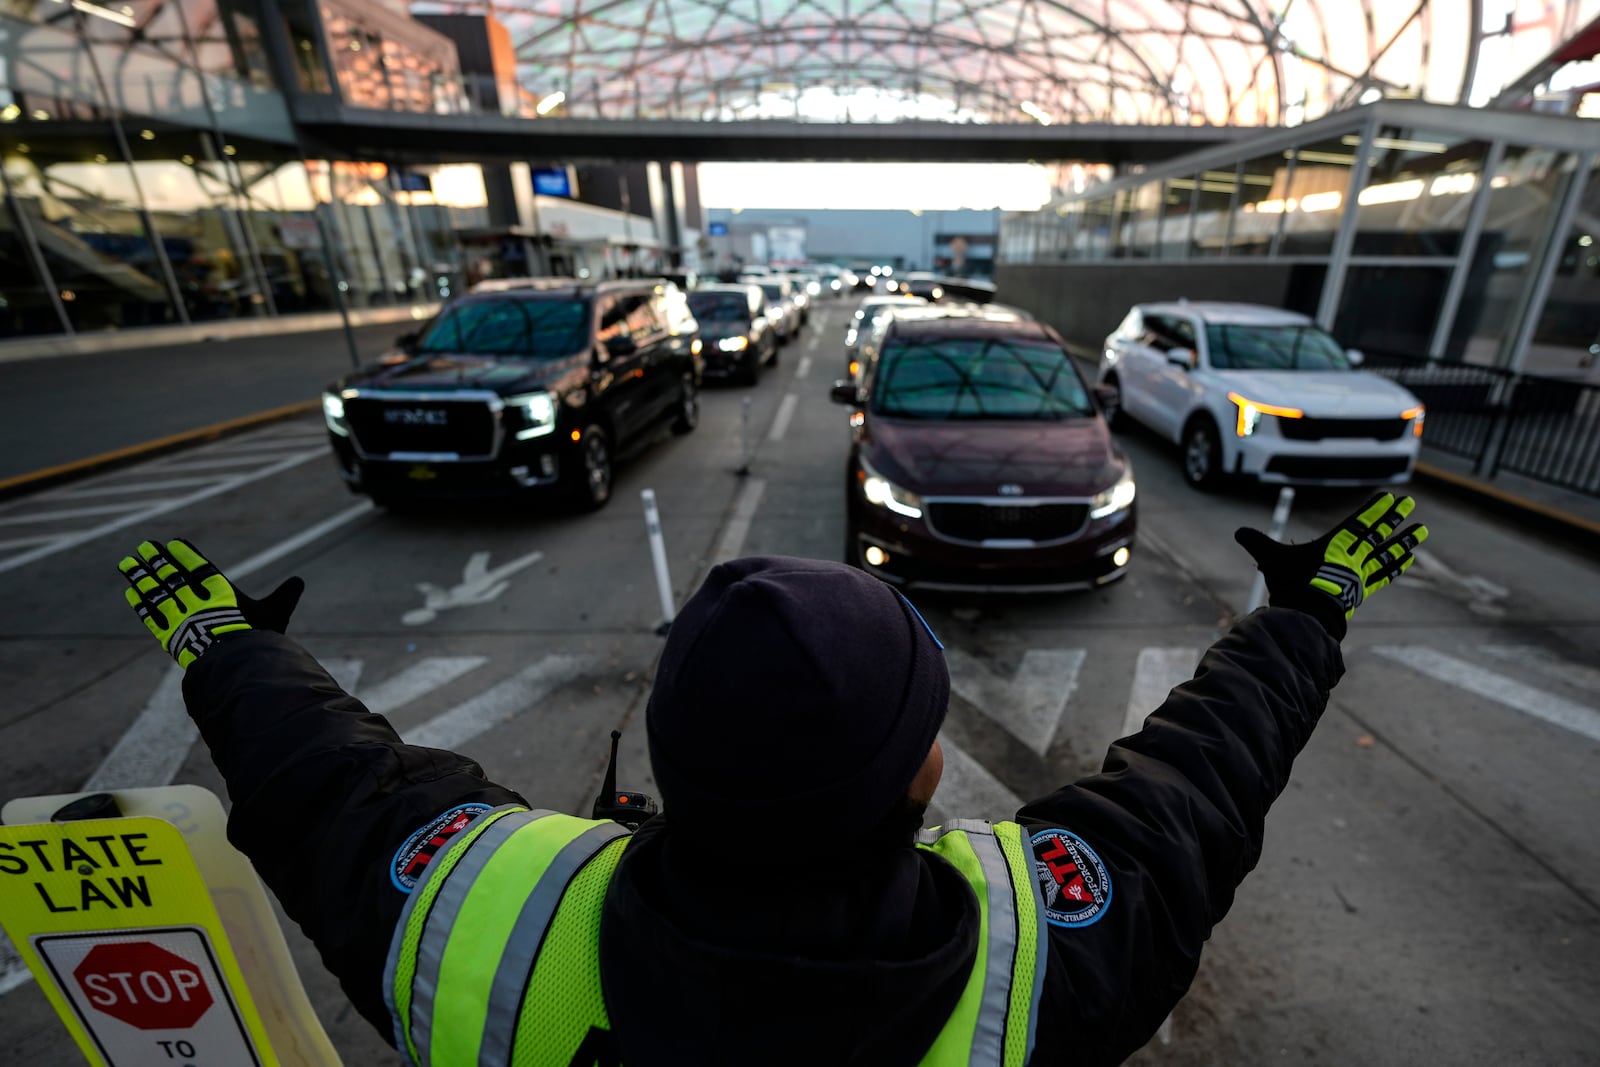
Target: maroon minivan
<point x="980" y="460"/>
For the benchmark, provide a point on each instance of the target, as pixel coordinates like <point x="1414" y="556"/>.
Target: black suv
<point x="517" y="387"/>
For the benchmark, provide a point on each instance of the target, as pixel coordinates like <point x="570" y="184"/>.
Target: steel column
<point x="1339" y="260"/>
<point x="1470" y="233"/>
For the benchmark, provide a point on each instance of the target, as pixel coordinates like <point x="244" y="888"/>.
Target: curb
<point x="20" y="484"/>
<point x="1554" y="520"/>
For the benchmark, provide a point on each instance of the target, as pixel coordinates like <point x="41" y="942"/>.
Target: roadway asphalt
<point x="1430" y="886"/>
<point x="61" y="409"/>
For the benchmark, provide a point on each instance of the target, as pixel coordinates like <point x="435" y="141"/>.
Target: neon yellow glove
<point x="187" y="604"/>
<point x="1330" y="577"/>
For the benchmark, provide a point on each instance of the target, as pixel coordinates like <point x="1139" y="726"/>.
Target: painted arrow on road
<point x="479" y="585"/>
<point x="1030" y="703"/>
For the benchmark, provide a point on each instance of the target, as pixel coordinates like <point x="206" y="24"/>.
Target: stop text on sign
<point x="144" y="985"/>
<point x="95" y="872"/>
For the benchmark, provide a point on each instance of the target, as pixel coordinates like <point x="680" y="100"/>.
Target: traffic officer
<point x="783" y="908"/>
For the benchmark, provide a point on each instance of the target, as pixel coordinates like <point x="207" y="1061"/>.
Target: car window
<point x="510" y="326"/>
<point x="1166" y="332"/>
<point x="643" y="321"/>
<point x="1131" y="326"/>
<point x="1244" y="347"/>
<point x="987" y="377"/>
<point x="774" y="290"/>
<point x="720" y="307"/>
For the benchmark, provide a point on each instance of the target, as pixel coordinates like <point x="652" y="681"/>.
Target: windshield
<point x="538" y="329"/>
<point x="977" y="378"/>
<point x="720" y="307"/>
<point x="774" y="290"/>
<point x="1273" y="348"/>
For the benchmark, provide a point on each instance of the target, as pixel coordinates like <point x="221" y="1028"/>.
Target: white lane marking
<point x="1547" y="663"/>
<point x="417" y="680"/>
<point x="780" y="425"/>
<point x="72" y="513"/>
<point x="731" y="544"/>
<point x="1567" y="714"/>
<point x="479" y="585"/>
<point x="1155" y="673"/>
<point x="802" y="368"/>
<point x="74" y="540"/>
<point x="968" y="791"/>
<point x="1030" y="703"/>
<point x="1481" y="595"/>
<point x="299" y="540"/>
<point x="24" y="542"/>
<point x="498" y="704"/>
<point x="212" y="463"/>
<point x="116" y="489"/>
<point x="261" y="444"/>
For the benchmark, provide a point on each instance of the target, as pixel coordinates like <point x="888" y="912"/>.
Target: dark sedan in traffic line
<point x="738" y="335"/>
<point x="980" y="461"/>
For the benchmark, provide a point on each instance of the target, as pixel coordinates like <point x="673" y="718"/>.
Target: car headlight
<point x="850" y="337"/>
<point x="1117" y="498"/>
<point x="734" y="344"/>
<point x="1250" y="412"/>
<point x="835" y="285"/>
<point x="696" y="346"/>
<point x="538" y="411"/>
<point x="333" y="413"/>
<point x="884" y="493"/>
<point x="1415" y="416"/>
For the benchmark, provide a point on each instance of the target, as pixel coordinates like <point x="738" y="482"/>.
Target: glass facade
<point x="1404" y="227"/>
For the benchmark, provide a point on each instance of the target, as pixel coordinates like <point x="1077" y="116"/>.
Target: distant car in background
<point x="1258" y="392"/>
<point x="737" y="337"/>
<point x="860" y="325"/>
<point x="781" y="306"/>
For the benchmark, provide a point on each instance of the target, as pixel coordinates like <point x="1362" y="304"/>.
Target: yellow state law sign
<point x="117" y="926"/>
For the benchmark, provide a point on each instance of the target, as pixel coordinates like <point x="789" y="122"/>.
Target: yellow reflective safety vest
<point x="496" y="959"/>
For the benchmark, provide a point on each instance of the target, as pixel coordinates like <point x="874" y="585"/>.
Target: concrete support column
<point x="665" y="210"/>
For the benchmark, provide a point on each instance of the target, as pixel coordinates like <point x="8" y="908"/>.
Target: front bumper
<point x="918" y="557"/>
<point x="1276" y="460"/>
<point x="520" y="467"/>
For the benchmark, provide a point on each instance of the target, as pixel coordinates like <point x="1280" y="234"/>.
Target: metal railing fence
<point x="1547" y="429"/>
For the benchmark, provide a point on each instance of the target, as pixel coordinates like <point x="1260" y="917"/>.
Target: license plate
<point x="421" y="472"/>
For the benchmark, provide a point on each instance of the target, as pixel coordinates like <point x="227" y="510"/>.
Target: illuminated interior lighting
<point x="126" y="21"/>
<point x="1034" y="111"/>
<point x="1391" y="192"/>
<point x="1453" y="184"/>
<point x="1338" y="158"/>
<point x="1399" y="144"/>
<point x="1321" y="202"/>
<point x="551" y="102"/>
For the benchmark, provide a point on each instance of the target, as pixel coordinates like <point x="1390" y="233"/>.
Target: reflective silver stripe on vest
<point x="442" y="919"/>
<point x="989" y="1033"/>
<point x="1041" y="954"/>
<point x="392" y="964"/>
<point x="527" y="938"/>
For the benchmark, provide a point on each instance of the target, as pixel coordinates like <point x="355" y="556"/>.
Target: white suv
<point x="1258" y="391"/>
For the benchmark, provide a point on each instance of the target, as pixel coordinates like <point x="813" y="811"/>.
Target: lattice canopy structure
<point x="1238" y="62"/>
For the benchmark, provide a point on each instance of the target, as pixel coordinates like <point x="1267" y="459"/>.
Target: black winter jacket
<point x="854" y="960"/>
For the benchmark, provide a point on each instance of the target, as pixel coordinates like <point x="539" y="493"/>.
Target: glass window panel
<point x="1136" y="223"/>
<point x="25" y="305"/>
<point x="1566" y="336"/>
<point x="1173" y="242"/>
<point x="1263" y="184"/>
<point x="280" y="213"/>
<point x="309" y="57"/>
<point x="1211" y="216"/>
<point x="1390" y="309"/>
<point x="1094" y="233"/>
<point x="80" y="203"/>
<point x="1312" y="198"/>
<point x="1418" y="193"/>
<point x="1523" y="197"/>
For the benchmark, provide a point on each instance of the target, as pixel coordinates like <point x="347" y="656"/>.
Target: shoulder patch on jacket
<point x="1072" y="880"/>
<point x="413" y="857"/>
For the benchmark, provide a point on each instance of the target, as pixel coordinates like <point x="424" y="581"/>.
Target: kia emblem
<point x="1011" y="490"/>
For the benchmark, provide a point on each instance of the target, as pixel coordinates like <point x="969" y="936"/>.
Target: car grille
<point x="1322" y="429"/>
<point x="382" y="427"/>
<point x="1007" y="522"/>
<point x="1337" y="468"/>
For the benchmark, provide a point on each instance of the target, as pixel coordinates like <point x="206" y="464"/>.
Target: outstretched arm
<point x="328" y="802"/>
<point x="1138" y="863"/>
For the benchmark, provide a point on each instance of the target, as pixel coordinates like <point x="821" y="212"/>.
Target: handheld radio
<point x="627" y="807"/>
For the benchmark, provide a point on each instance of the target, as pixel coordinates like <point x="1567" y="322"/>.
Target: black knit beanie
<point x="793" y="692"/>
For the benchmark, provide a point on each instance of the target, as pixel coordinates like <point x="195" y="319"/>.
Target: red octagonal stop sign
<point x="144" y="985"/>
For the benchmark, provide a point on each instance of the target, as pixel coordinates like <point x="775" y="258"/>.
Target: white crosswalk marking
<point x="1543" y="662"/>
<point x="968" y="791"/>
<point x="1029" y="704"/>
<point x="1567" y="714"/>
<point x="417" y="681"/>
<point x="1155" y="673"/>
<point x="498" y="704"/>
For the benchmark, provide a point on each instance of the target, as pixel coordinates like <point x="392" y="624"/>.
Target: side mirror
<point x="845" y="392"/>
<point x="1183" y="357"/>
<point x="621" y="345"/>
<point x="407" y="342"/>
<point x="1355" y="356"/>
<point x="1106" y="396"/>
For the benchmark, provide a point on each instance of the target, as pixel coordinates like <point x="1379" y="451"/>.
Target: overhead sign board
<point x="116" y="924"/>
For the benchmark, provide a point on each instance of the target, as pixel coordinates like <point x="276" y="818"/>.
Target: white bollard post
<point x="1280" y="519"/>
<point x="658" y="556"/>
<point x="744" y="438"/>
